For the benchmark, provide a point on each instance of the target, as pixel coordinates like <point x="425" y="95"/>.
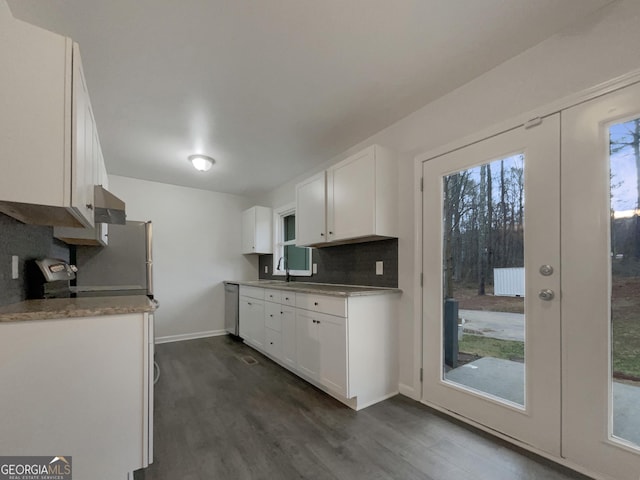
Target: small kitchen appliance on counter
<point x="49" y="278"/>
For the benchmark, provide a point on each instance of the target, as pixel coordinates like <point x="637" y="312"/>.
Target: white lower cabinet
<point x="346" y="346"/>
<point x="83" y="386"/>
<point x="252" y="328"/>
<point x="332" y="337"/>
<point x="308" y="344"/>
<point x="288" y="332"/>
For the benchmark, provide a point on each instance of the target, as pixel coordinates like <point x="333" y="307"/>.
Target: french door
<point x="601" y="284"/>
<point x="531" y="299"/>
<point x="492" y="345"/>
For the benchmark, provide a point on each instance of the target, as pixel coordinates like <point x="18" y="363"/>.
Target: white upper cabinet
<point x="311" y="223"/>
<point x="256" y="230"/>
<point x="98" y="234"/>
<point x="359" y="201"/>
<point x="49" y="143"/>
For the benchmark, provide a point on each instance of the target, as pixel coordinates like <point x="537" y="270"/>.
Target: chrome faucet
<point x="286" y="268"/>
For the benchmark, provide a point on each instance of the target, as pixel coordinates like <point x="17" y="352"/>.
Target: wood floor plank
<point x="217" y="417"/>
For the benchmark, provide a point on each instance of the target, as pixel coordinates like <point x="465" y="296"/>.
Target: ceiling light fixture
<point x="202" y="163"/>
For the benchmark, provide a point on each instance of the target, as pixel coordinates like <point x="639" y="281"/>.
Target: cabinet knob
<point x="89" y="206"/>
<point x="315" y="303"/>
<point x="286" y="298"/>
<point x="280" y="313"/>
<point x="248" y="303"/>
<point x="322" y="234"/>
<point x="271" y="314"/>
<point x="330" y="233"/>
<point x="271" y="343"/>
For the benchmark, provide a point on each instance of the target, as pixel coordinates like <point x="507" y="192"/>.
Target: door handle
<point x="546" y="294"/>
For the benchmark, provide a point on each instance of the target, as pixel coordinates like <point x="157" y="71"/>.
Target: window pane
<point x="289" y="228"/>
<point x="297" y="257"/>
<point x="483" y="277"/>
<point x="624" y="163"/>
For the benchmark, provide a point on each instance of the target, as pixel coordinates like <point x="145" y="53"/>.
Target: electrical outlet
<point x="266" y="269"/>
<point x="15" y="273"/>
<point x="379" y="268"/>
<point x="314" y="268"/>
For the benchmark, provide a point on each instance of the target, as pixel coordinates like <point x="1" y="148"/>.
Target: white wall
<point x="196" y="245"/>
<point x="596" y="49"/>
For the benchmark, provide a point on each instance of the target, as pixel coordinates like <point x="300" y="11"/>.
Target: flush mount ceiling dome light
<point x="202" y="163"/>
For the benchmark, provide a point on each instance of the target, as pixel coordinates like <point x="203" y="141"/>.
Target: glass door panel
<point x="624" y="164"/>
<point x="483" y="279"/>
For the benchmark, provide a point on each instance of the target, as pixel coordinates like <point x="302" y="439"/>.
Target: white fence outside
<point x="508" y="282"/>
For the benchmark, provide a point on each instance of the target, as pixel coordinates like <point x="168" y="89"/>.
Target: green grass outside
<point x="491" y="347"/>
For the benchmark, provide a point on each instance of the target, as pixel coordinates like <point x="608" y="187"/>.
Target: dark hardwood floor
<point x="218" y="418"/>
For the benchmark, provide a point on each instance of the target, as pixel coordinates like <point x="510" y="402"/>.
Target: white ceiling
<point x="272" y="88"/>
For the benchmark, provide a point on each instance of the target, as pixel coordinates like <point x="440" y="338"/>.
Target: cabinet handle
<point x="286" y="298"/>
<point x="280" y="313"/>
<point x="271" y="315"/>
<point x="330" y="233"/>
<point x="315" y="303"/>
<point x="89" y="206"/>
<point x="313" y="321"/>
<point x="318" y="321"/>
<point x="248" y="303"/>
<point x="271" y="343"/>
<point x="322" y="234"/>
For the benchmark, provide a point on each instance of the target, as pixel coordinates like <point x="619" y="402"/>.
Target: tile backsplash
<point x="353" y="264"/>
<point x="28" y="242"/>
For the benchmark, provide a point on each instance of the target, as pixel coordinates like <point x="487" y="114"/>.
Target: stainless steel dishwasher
<point x="231" y="308"/>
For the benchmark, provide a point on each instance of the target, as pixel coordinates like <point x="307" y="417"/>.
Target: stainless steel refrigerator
<point x="124" y="266"/>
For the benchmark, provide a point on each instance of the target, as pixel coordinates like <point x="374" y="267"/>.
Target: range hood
<point x="107" y="207"/>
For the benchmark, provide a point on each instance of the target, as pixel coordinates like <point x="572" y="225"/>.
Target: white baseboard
<point x="408" y="391"/>
<point x="190" y="336"/>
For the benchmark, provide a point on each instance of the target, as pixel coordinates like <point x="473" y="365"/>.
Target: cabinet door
<point x="307" y="343"/>
<point x="288" y="323"/>
<point x="311" y="211"/>
<point x="332" y="334"/>
<point x="83" y="147"/>
<point x="273" y="343"/>
<point x="252" y="321"/>
<point x="249" y="231"/>
<point x="351" y="200"/>
<point x="35" y="118"/>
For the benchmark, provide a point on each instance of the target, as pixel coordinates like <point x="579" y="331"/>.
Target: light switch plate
<point x="314" y="268"/>
<point x="379" y="268"/>
<point x="15" y="273"/>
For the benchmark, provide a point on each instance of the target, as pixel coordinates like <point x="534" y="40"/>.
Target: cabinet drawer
<point x="288" y="298"/>
<point x="273" y="343"/>
<point x="272" y="316"/>
<point x="254" y="292"/>
<point x="322" y="303"/>
<point x="272" y="295"/>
